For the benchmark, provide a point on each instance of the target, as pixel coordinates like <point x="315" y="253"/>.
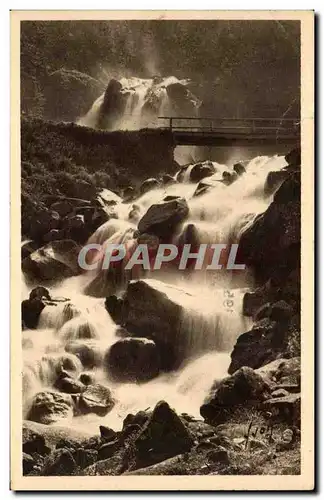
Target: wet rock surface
<point x="162" y="219"/>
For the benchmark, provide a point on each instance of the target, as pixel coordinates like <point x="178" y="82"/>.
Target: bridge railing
<point x="235" y="125"/>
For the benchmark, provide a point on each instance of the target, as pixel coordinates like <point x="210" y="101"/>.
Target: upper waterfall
<point x="134" y="103"/>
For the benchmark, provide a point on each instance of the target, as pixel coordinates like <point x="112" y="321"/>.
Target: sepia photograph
<point x="162" y="212"/>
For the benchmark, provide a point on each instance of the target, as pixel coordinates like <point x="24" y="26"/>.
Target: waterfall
<point x="139" y="103"/>
<point x="208" y="327"/>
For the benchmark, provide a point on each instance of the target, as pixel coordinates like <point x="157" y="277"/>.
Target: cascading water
<point x="140" y="102"/>
<point x="208" y="327"/>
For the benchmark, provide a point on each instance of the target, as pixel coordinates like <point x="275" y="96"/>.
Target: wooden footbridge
<point x="231" y="131"/>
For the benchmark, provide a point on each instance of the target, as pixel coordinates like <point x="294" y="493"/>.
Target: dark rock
<point x="286" y="408"/>
<point x="109" y="197"/>
<point x="294" y="157"/>
<point x="163" y="436"/>
<point x="133" y="359"/>
<point x="69" y="94"/>
<point x="239" y="168"/>
<point x="139" y="419"/>
<point x="154" y="309"/>
<point x="113" y="106"/>
<point x="28" y="248"/>
<point x="107" y="450"/>
<point x="92" y="443"/>
<point x="205" y="446"/>
<point x="62" y="207"/>
<point x="243" y="388"/>
<point x="83" y="457"/>
<point x="40" y="292"/>
<point x="129" y="194"/>
<point x="219" y="454"/>
<point x="114" y="306"/>
<point x="97" y="399"/>
<point x="274" y="181"/>
<point x="289" y="372"/>
<point x="54" y="235"/>
<point x="182" y="100"/>
<point x="30" y="312"/>
<point x="162" y="218"/>
<point x="253" y="301"/>
<point x="263" y="312"/>
<point x="228" y="178"/>
<point x="28" y="463"/>
<point x="201" y="170"/>
<point x="44" y="221"/>
<point x="279" y="393"/>
<point x="53" y="261"/>
<point x="69" y="385"/>
<point x="259" y="346"/>
<point x="49" y="407"/>
<point x="107" y="434"/>
<point x="86" y="378"/>
<point x="60" y="463"/>
<point x="33" y="442"/>
<point x="149" y="184"/>
<point x="181" y="173"/>
<point x="271" y="245"/>
<point x="168" y="179"/>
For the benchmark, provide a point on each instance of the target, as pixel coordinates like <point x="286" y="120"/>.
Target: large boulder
<point x="164" y="435"/>
<point x="271" y="245"/>
<point x="133" y="359"/>
<point x="239" y="168"/>
<point x="282" y="374"/>
<point x="201" y="170"/>
<point x="96" y="398"/>
<point x="155" y="309"/>
<point x="52" y="262"/>
<point x="69" y="94"/>
<point x="244" y="388"/>
<point x="28" y="247"/>
<point x="49" y="407"/>
<point x="162" y="218"/>
<point x="293" y="158"/>
<point x="257" y="347"/>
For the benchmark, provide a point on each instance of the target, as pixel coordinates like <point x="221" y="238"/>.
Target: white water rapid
<point x="209" y="327"/>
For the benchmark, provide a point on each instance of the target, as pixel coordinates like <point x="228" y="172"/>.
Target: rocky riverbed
<point x="166" y="372"/>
